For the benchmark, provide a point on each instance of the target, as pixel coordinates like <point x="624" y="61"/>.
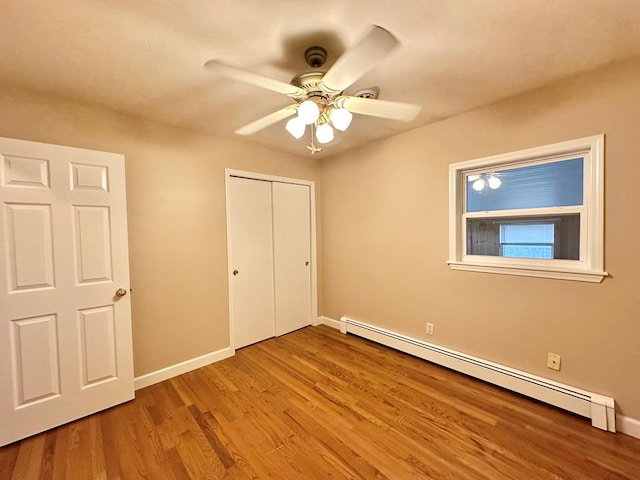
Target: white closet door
<point x="292" y="256"/>
<point x="252" y="307"/>
<point x="65" y="316"/>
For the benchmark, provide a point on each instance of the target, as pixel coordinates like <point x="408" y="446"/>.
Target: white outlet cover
<point x="553" y="361"/>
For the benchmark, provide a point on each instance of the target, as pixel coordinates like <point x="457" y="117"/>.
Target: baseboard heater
<point x="599" y="408"/>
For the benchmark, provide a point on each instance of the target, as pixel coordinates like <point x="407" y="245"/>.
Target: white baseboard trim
<point x="628" y="426"/>
<point x="182" y="367"/>
<point x="599" y="408"/>
<point x="330" y="322"/>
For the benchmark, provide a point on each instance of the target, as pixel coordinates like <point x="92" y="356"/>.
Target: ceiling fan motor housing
<point x="311" y="83"/>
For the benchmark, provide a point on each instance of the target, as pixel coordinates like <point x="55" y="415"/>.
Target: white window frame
<point x="589" y="267"/>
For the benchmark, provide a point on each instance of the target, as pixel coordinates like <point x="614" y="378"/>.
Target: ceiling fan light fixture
<point x="494" y="182"/>
<point x="308" y="112"/>
<point x="296" y="127"/>
<point x="341" y="118"/>
<point x="324" y="133"/>
<point x="478" y="185"/>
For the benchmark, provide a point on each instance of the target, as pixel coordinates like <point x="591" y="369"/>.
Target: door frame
<point x="228" y="173"/>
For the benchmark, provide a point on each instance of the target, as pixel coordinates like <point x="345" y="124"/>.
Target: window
<point x="536" y="212"/>
<point x="526" y="240"/>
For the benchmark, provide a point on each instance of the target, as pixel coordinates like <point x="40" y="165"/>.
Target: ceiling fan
<point x="319" y="99"/>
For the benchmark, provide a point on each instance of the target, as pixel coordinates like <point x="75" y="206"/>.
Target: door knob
<point x="306" y="264"/>
<point x="121" y="292"/>
<point x="235" y="272"/>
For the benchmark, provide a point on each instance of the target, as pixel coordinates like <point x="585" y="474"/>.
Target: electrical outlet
<point x="553" y="361"/>
<point x="429" y="328"/>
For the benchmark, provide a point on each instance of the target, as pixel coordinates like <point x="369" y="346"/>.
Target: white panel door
<point x="292" y="256"/>
<point x="251" y="250"/>
<point x="65" y="335"/>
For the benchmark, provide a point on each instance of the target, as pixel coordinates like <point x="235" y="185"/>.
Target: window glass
<point x="553" y="184"/>
<point x="534" y="240"/>
<point x="539" y="237"/>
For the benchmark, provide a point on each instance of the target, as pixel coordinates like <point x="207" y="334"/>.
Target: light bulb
<point x="494" y="182"/>
<point x="478" y="185"/>
<point x="324" y="133"/>
<point x="308" y="112"/>
<point x="296" y="127"/>
<point x="341" y="118"/>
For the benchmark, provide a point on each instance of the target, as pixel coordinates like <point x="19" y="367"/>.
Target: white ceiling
<point x="145" y="57"/>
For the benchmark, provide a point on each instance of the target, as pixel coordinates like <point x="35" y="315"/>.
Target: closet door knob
<point x="121" y="292"/>
<point x="306" y="264"/>
<point x="235" y="272"/>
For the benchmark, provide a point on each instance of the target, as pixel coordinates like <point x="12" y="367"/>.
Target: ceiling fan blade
<point x="359" y="59"/>
<point x="256" y="79"/>
<point x="266" y="121"/>
<point x="380" y="108"/>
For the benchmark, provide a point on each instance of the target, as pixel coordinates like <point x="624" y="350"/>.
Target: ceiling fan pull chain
<point x="313" y="146"/>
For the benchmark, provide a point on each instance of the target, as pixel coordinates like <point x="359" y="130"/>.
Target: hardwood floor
<point x="319" y="404"/>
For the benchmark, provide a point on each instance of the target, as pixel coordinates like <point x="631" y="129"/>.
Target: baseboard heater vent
<point x="599" y="408"/>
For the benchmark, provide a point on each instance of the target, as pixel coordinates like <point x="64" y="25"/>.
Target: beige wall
<point x="385" y="240"/>
<point x="176" y="216"/>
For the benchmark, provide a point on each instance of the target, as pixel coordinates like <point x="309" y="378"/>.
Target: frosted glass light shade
<point x="308" y="112"/>
<point x="324" y="133"/>
<point x="494" y="182"/>
<point x="341" y="118"/>
<point x="478" y="185"/>
<point x="296" y="127"/>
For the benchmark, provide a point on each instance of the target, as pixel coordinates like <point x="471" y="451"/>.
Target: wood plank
<point x="8" y="458"/>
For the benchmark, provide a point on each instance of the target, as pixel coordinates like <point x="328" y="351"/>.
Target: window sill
<point x="576" y="275"/>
